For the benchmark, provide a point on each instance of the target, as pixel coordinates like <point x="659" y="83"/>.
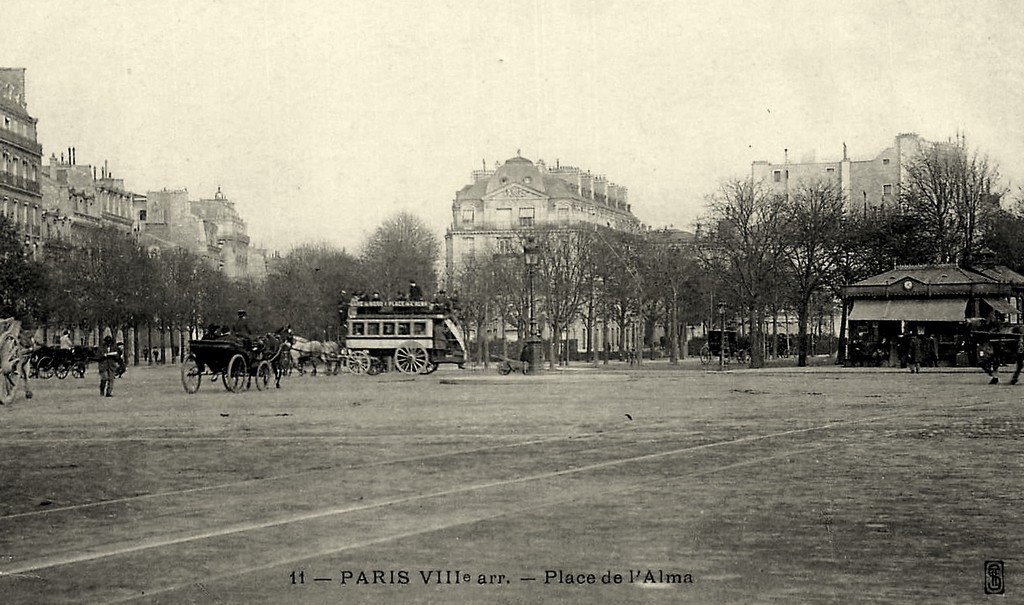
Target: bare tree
<point x="746" y="245"/>
<point x="562" y="278"/>
<point x="951" y="191"/>
<point x="812" y="248"/>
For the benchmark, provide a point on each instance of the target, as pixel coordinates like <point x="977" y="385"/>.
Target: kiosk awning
<point x="919" y="309"/>
<point x="1000" y="305"/>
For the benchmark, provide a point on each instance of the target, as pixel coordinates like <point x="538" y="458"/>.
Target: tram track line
<point x="478" y="519"/>
<point x="237" y="528"/>
<point x="461" y="452"/>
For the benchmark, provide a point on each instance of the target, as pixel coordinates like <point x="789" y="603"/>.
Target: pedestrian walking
<point x="1019" y="356"/>
<point x="914" y="351"/>
<point x="109" y="362"/>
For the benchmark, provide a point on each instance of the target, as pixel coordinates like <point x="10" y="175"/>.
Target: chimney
<point x="74" y="161"/>
<point x="94" y="173"/>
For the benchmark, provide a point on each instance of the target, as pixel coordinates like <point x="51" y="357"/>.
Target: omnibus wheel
<point x="191" y="375"/>
<point x="359" y="362"/>
<point x="411" y="359"/>
<point x="62" y="370"/>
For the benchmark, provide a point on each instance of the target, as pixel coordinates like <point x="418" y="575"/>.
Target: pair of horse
<point x="315" y="353"/>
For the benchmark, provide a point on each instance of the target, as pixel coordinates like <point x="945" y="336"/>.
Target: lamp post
<point x="721" y="344"/>
<point x="533" y="342"/>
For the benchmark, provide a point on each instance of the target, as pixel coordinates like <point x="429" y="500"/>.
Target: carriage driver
<point x="241" y="327"/>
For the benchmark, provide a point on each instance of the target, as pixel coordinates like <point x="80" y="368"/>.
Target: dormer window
<point x="527" y="180"/>
<point x="467" y="217"/>
<point x="885" y="161"/>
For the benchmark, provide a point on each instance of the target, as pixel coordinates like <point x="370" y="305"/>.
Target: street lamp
<point x="721" y="344"/>
<point x="533" y="341"/>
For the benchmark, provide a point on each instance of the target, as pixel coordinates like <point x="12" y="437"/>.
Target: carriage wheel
<point x="504" y="368"/>
<point x="78" y="370"/>
<point x="430" y="369"/>
<point x="411" y="359"/>
<point x="62" y="370"/>
<point x="236" y="374"/>
<point x="705" y="355"/>
<point x="263" y="374"/>
<point x="45" y="367"/>
<point x="359" y="362"/>
<point x="191" y="375"/>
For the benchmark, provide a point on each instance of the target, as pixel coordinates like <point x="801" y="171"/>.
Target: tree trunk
<point x="163" y="342"/>
<point x="841" y="345"/>
<point x="801" y="330"/>
<point x="149" y="342"/>
<point x="756" y="336"/>
<point x="673" y="330"/>
<point x="135" y="343"/>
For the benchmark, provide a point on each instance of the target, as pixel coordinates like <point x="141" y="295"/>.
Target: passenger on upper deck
<point x="414" y="291"/>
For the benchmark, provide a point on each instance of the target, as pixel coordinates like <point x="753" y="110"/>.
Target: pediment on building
<point x="515" y="192"/>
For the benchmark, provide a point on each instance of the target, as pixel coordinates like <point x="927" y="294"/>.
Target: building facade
<point x="21" y="199"/>
<point x="866" y="184"/>
<point x="77" y="201"/>
<point x="491" y="214"/>
<point x="209" y="228"/>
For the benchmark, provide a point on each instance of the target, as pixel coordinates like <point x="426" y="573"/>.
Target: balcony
<point x="21" y="142"/>
<point x="19" y="182"/>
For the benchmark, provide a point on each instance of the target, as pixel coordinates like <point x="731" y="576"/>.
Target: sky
<point x="321" y="119"/>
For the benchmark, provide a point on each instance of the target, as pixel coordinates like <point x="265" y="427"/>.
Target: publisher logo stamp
<point x="994" y="577"/>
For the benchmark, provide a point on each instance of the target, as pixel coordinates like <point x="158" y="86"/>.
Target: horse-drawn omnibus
<point x="415" y="336"/>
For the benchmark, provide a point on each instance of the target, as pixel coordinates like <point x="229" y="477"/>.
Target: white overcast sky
<point x="319" y="119"/>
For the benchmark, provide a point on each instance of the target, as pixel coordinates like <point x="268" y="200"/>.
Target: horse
<point x="303" y="350"/>
<point x="14" y="354"/>
<point x="275" y="349"/>
<point x="332" y="356"/>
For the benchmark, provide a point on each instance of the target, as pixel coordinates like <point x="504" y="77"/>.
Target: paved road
<point x="777" y="486"/>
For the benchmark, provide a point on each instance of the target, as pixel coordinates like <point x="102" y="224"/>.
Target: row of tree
<point x="108" y="280"/>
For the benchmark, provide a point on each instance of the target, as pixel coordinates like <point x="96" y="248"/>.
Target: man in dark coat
<point x="109" y="361"/>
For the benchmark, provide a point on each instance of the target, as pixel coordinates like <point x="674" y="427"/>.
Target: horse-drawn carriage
<point x="237" y="362"/>
<point x="730" y="347"/>
<point x="53" y="361"/>
<point x="414" y="337"/>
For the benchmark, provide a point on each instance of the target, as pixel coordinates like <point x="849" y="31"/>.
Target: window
<point x="505" y="246"/>
<point x="527" y="180"/>
<point x="470" y="246"/>
<point x="777" y="175"/>
<point x="403" y="328"/>
<point x="358" y="328"/>
<point x="372" y="328"/>
<point x="526" y="216"/>
<point x="467" y="217"/>
<point x="504" y="218"/>
<point x="389" y="328"/>
<point x="885" y="161"/>
<point x="830" y="170"/>
<point x="886" y="189"/>
<point x="563" y="215"/>
<point x="419" y="327"/>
